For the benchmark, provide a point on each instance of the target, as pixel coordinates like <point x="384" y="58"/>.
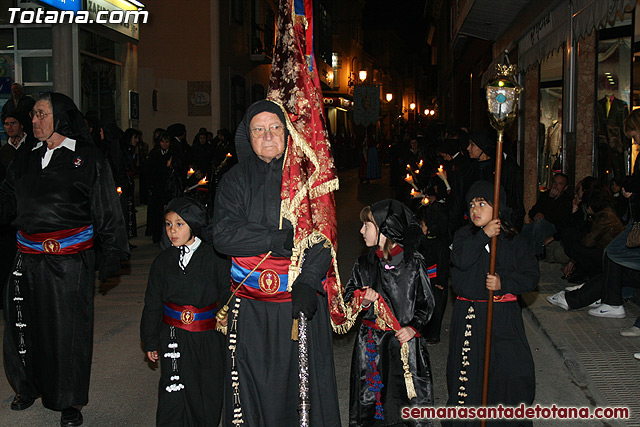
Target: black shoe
<point x="71" y="417"/>
<point x="21" y="403"/>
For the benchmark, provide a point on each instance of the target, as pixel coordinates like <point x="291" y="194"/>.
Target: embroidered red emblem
<point x="269" y="282"/>
<point x="51" y="246"/>
<point x="187" y="317"/>
<point x="77" y="162"/>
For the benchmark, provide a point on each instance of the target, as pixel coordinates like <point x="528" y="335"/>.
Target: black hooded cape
<point x="76" y="189"/>
<point x="246" y="223"/>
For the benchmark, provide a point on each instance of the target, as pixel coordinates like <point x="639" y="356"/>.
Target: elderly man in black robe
<point x="261" y="387"/>
<point x="59" y="195"/>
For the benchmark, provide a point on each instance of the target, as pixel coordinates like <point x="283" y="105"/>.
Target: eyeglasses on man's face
<point x="39" y="114"/>
<point x="261" y="132"/>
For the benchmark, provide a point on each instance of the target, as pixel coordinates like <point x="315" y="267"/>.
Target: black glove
<point x="303" y="299"/>
<point x="109" y="266"/>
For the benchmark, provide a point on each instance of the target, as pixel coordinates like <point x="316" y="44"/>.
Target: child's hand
<point x="369" y="296"/>
<point x="405" y="334"/>
<point x="492" y="228"/>
<point x="493" y="282"/>
<point x="152" y="355"/>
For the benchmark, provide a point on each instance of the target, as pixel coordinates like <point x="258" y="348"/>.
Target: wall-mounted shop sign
<point x="73" y="5"/>
<point x="129" y="14"/>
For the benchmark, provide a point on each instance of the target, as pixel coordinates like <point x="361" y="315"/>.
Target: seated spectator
<point x="586" y="254"/>
<point x="551" y="212"/>
<point x="620" y="203"/>
<point x="577" y="227"/>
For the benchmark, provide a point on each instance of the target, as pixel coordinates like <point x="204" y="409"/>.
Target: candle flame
<point x="229" y="155"/>
<point x="440" y="169"/>
<point x="203" y="181"/>
<point x="408" y="178"/>
<point x="420" y="164"/>
<point x="408" y="167"/>
<point x="190" y="172"/>
<point x="425" y="201"/>
<point x="119" y="190"/>
<point x="417" y="171"/>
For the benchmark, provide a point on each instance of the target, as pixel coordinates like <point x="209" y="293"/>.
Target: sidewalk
<point x="598" y="358"/>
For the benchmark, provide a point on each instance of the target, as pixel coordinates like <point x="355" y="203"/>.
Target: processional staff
<point x="502" y="101"/>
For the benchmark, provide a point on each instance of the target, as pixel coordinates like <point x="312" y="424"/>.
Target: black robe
<point x="74" y="190"/>
<point x="405" y="287"/>
<point x="512" y="376"/>
<point x="246" y="219"/>
<point x="204" y="281"/>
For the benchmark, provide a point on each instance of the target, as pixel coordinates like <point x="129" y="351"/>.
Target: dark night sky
<point x="405" y="16"/>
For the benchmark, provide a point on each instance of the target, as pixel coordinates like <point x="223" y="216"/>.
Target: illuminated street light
<point x="389" y="96"/>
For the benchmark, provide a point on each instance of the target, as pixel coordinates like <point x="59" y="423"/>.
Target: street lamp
<point x="362" y="75"/>
<point x="412" y="106"/>
<point x="389" y="96"/>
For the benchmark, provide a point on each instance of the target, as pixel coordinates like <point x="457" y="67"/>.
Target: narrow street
<point x="124" y="386"/>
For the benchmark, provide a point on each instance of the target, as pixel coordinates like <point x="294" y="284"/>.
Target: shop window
<point x="263" y="31"/>
<point x="550" y="153"/>
<point x="37" y="69"/>
<point x="100" y="77"/>
<point x="613" y="93"/>
<point x="6" y="39"/>
<point x="34" y="38"/>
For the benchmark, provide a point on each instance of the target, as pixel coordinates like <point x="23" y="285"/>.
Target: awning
<point x="590" y="14"/>
<point x="488" y="19"/>
<point x="547" y="34"/>
<point x="551" y="30"/>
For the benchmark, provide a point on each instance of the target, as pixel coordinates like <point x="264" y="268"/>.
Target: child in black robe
<point x="434" y="247"/>
<point x="393" y="277"/>
<point x="186" y="283"/>
<point x="511" y="370"/>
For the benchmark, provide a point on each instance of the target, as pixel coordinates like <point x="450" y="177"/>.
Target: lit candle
<point x="420" y="164"/>
<point x="229" y="155"/>
<point x="409" y="179"/>
<point x="408" y="167"/>
<point x="425" y="201"/>
<point x="190" y="172"/>
<point x="417" y="171"/>
<point x="440" y="169"/>
<point x="203" y="181"/>
<point x="416" y="194"/>
<point x="119" y="190"/>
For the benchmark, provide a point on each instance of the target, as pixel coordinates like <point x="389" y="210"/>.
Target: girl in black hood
<point x="393" y="278"/>
<point x="511" y="372"/>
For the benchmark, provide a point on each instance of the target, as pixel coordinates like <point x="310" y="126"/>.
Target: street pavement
<point x="580" y="360"/>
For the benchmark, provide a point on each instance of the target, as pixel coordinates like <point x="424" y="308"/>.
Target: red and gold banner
<point x="309" y="175"/>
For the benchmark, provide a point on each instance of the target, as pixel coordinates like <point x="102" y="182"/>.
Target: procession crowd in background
<point x="435" y="233"/>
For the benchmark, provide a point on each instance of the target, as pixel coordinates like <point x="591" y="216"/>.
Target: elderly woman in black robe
<point x="59" y="195"/>
<point x="261" y="385"/>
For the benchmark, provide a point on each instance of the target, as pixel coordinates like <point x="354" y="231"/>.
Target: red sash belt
<point x="190" y="318"/>
<point x="496" y="298"/>
<point x="267" y="283"/>
<point x="63" y="242"/>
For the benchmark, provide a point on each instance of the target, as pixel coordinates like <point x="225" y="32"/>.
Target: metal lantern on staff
<point x="502" y="101"/>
